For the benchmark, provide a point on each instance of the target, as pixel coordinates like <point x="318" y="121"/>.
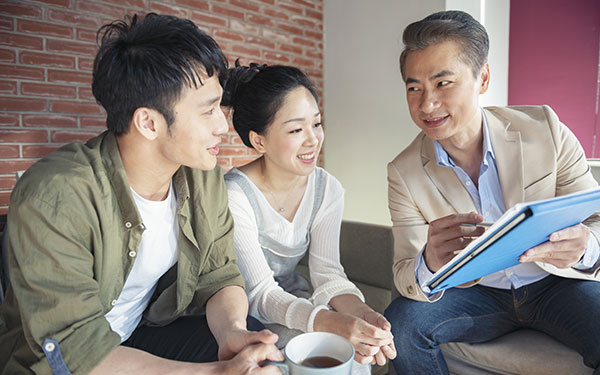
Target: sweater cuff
<point x="313" y="315"/>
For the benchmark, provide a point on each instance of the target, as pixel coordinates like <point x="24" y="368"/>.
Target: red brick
<point x="225" y="34"/>
<point x="276" y="14"/>
<point x="290" y="29"/>
<point x="85" y="64"/>
<point x="314" y="34"/>
<point x="93" y="122"/>
<point x="243" y="28"/>
<point x="276" y="36"/>
<point x="305" y="63"/>
<point x="98" y="9"/>
<point x="67" y="106"/>
<point x="306" y="23"/>
<point x="17" y="9"/>
<point x="224" y="163"/>
<point x="21" y="41"/>
<point x="73" y="136"/>
<point x="314" y="54"/>
<point x="44" y="28"/>
<point x="231" y="151"/>
<point x="227" y="11"/>
<point x="237" y="162"/>
<point x="245" y="5"/>
<point x="26" y="136"/>
<point x="86" y="35"/>
<point x="14" y="166"/>
<point x="9" y="119"/>
<point x="74" y="19"/>
<point x="85" y="93"/>
<point x="46" y="59"/>
<point x="304" y="42"/>
<point x="315" y="74"/>
<point x="270" y="2"/>
<point x="243" y="50"/>
<point x="260" y="42"/>
<point x="9" y="151"/>
<point x="50" y="120"/>
<point x="291" y="8"/>
<point x="61" y="3"/>
<point x="260" y="20"/>
<point x="6" y="23"/>
<point x="71" y="77"/>
<point x="194" y="4"/>
<point x="314" y="14"/>
<point x="37" y="151"/>
<point x="205" y="19"/>
<point x="22" y="104"/>
<point x="4" y="198"/>
<point x="168" y="9"/>
<point x="8" y="87"/>
<point x="273" y="56"/>
<point x="307" y="4"/>
<point x="7" y="182"/>
<point x="129" y="3"/>
<point x="7" y="55"/>
<point x="53" y="91"/>
<point x="76" y="48"/>
<point x="290" y="48"/>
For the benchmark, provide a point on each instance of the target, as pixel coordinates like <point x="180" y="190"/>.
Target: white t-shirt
<point x="267" y="300"/>
<point x="156" y="254"/>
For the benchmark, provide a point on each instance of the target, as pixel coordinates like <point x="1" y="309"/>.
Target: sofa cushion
<point x="521" y="352"/>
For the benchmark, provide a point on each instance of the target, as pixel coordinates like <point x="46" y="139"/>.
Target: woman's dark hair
<point x="448" y="25"/>
<point x="146" y="61"/>
<point x="256" y="92"/>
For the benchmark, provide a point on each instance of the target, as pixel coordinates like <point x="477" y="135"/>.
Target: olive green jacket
<point x="73" y="234"/>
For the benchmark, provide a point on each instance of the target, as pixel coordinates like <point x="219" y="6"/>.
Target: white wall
<point x="366" y="117"/>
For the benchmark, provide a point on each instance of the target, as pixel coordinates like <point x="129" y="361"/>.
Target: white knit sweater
<point x="268" y="302"/>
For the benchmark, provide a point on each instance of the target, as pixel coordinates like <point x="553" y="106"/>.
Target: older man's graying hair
<point x="444" y="26"/>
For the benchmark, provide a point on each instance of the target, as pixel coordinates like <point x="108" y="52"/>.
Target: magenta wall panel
<point x="554" y="58"/>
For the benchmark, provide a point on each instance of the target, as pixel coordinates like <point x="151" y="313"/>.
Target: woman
<point x="284" y="206"/>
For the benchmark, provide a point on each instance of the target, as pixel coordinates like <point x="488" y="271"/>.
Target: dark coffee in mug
<point x="320" y="362"/>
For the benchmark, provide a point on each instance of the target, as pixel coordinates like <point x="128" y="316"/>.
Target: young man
<point x="110" y="243"/>
<point x="468" y="165"/>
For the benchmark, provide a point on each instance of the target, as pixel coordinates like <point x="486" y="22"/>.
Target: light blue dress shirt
<point x="489" y="201"/>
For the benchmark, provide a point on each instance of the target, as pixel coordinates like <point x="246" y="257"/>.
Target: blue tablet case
<point x="526" y="225"/>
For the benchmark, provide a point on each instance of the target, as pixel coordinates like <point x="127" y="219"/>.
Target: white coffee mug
<point x="320" y="349"/>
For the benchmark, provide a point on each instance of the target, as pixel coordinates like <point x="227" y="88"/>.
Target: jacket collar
<point x="506" y="144"/>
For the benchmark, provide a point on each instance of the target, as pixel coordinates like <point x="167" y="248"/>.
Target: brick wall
<point x="47" y="50"/>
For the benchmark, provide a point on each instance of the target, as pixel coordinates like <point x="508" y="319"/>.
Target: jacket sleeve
<point x="51" y="269"/>
<point x="573" y="174"/>
<point x="410" y="235"/>
<point x="219" y="269"/>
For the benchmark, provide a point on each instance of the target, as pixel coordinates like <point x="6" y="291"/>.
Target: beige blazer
<point x="537" y="158"/>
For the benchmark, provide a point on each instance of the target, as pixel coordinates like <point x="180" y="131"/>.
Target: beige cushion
<point x="520" y="352"/>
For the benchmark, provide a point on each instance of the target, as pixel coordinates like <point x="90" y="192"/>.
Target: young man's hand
<point x="237" y="340"/>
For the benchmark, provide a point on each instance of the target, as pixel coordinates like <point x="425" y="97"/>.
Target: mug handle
<point x="282" y="365"/>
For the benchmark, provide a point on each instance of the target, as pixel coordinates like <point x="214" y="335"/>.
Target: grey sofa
<point x="367" y="255"/>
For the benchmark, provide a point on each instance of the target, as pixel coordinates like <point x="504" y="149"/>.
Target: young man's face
<point x="442" y="94"/>
<point x="193" y="138"/>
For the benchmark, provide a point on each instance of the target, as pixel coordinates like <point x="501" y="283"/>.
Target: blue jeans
<point x="565" y="309"/>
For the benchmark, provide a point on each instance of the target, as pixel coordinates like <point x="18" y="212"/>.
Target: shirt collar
<point x="443" y="159"/>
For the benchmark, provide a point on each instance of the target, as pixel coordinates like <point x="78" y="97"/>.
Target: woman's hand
<point x="367" y="338"/>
